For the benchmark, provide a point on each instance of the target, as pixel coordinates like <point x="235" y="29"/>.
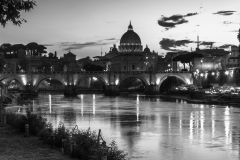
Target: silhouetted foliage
<point x="187" y="58"/>
<point x="36" y="49"/>
<point x="14" y="48"/>
<point x="41" y="50"/>
<point x="6" y="48"/>
<point x="10" y="10"/>
<point x="32" y="47"/>
<point x="92" y="67"/>
<point x="81" y="144"/>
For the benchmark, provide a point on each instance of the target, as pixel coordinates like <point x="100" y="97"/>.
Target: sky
<point x="85" y="27"/>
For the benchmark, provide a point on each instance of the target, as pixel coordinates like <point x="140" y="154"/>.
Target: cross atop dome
<point x="130" y="28"/>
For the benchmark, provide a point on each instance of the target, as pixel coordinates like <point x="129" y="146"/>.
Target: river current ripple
<point x="149" y="127"/>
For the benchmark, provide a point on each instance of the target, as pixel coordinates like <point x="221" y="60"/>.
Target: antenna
<point x="101" y="51"/>
<point x="198" y="42"/>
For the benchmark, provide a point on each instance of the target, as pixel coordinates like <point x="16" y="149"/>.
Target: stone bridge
<point x="111" y="80"/>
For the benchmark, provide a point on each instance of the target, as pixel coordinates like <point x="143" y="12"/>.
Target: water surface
<point x="150" y="127"/>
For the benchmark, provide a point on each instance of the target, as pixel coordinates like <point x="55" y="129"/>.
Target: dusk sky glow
<point x="84" y="26"/>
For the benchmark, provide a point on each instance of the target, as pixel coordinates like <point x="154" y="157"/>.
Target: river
<point x="149" y="127"/>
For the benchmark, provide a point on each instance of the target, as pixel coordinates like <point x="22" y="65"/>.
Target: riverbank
<point x="205" y="100"/>
<point x="13" y="145"/>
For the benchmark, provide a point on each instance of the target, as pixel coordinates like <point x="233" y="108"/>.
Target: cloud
<point x="172" y="21"/>
<point x="225" y="13"/>
<point x="225" y="46"/>
<point x="48" y="45"/>
<point x="227" y="22"/>
<point x="111" y="39"/>
<point x="233" y="31"/>
<point x="73" y="45"/>
<point x="170" y="44"/>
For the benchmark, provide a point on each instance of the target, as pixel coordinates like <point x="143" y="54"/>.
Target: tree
<point x="14" y="49"/>
<point x="187" y="58"/>
<point x="10" y="10"/>
<point x="32" y="47"/>
<point x="6" y="47"/>
<point x="41" y="50"/>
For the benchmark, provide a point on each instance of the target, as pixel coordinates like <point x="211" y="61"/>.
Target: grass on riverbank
<point x="77" y="143"/>
<point x="13" y="145"/>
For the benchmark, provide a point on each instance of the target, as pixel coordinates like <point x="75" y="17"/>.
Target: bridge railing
<point x="96" y="72"/>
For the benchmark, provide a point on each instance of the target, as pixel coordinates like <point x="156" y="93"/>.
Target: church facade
<point x="130" y="55"/>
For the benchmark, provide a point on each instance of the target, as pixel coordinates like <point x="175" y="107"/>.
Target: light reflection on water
<point x="149" y="127"/>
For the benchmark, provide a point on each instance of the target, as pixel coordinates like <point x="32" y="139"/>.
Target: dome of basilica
<point x="130" y="41"/>
<point x="130" y="37"/>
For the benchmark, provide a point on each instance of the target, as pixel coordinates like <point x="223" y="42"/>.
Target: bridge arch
<point x="133" y="76"/>
<point x="173" y="75"/>
<point x="90" y="76"/>
<point x="48" y="77"/>
<point x="10" y="78"/>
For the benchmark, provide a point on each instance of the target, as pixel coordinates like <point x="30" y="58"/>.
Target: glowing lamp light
<point x="213" y="73"/>
<point x="116" y="82"/>
<point x="24" y="80"/>
<point x="226" y="72"/>
<point x="94" y="78"/>
<point x="201" y="74"/>
<point x="158" y="81"/>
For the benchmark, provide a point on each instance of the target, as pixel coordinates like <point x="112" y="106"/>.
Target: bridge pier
<point x="152" y="90"/>
<point x="111" y="90"/>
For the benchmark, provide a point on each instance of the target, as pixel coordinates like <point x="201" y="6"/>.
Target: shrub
<point x="36" y="123"/>
<point x="85" y="143"/>
<point x="60" y="133"/>
<point x="46" y="133"/>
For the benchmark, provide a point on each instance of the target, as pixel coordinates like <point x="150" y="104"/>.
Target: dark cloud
<point x="111" y="39"/>
<point x="172" y="21"/>
<point x="170" y="44"/>
<point x="233" y="31"/>
<point x="225" y="13"/>
<point x="225" y="46"/>
<point x="227" y="22"/>
<point x="204" y="43"/>
<point x="74" y="45"/>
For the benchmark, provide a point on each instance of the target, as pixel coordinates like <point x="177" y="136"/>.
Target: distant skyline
<point x="86" y="26"/>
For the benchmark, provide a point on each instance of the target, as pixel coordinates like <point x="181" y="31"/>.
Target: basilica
<point x="130" y="55"/>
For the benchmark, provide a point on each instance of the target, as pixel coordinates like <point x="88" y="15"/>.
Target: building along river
<point x="149" y="127"/>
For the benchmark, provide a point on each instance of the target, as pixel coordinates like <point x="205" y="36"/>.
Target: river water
<point x="150" y="127"/>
